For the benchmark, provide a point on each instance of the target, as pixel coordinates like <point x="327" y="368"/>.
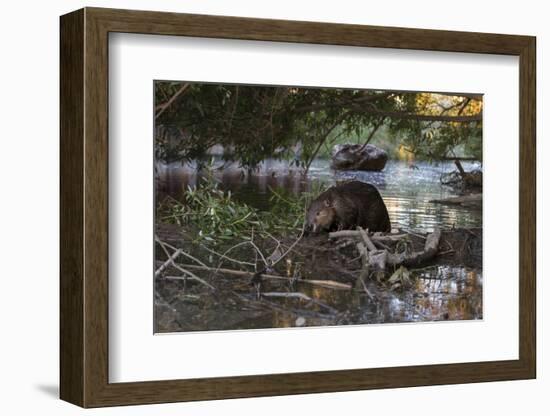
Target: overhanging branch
<point x="420" y="117"/>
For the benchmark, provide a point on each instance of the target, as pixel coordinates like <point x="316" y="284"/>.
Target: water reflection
<point x="437" y="293"/>
<point x="406" y="191"/>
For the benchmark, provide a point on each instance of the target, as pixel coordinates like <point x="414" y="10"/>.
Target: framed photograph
<point x="255" y="207"/>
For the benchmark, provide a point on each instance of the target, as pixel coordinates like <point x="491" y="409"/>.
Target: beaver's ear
<point x="328" y="203"/>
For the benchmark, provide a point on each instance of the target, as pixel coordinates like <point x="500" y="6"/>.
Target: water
<point x="442" y="293"/>
<point x="438" y="293"/>
<point x="406" y="191"/>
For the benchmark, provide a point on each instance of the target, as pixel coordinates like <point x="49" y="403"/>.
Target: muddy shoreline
<point x="449" y="287"/>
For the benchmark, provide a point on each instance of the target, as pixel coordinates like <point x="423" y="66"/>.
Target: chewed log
<point x="368" y="243"/>
<point x="417" y="257"/>
<point x="378" y="259"/>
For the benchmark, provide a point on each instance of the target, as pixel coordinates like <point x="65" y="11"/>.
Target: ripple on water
<point x="438" y="293"/>
<point x="407" y="192"/>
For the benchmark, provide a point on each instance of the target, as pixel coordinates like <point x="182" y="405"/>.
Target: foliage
<point x="287" y="210"/>
<point x="215" y="216"/>
<point x="253" y="123"/>
<point x="436" y="139"/>
<point x="211" y="211"/>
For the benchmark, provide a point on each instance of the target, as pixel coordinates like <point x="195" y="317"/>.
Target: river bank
<point x="244" y="262"/>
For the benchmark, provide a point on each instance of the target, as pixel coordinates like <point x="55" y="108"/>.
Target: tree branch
<point x="324" y="138"/>
<point x="368" y="98"/>
<point x="372" y="133"/>
<point x="420" y="117"/>
<point x="164" y="106"/>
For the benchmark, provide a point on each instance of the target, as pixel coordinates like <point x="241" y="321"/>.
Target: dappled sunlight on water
<point x="441" y="293"/>
<point x="438" y="293"/>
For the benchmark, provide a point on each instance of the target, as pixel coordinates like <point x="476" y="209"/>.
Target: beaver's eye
<point x="318" y="213"/>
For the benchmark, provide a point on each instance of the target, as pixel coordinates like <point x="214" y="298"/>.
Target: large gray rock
<point x="354" y="157"/>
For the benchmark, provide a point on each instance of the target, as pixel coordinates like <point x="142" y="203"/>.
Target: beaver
<point x="346" y="206"/>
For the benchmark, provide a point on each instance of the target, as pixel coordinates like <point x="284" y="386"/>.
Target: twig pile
<point x="377" y="255"/>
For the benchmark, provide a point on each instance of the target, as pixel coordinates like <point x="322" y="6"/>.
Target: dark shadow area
<point x="49" y="390"/>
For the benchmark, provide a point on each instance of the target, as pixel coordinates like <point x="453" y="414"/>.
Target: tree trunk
<point x="372" y="133"/>
<point x="459" y="167"/>
<point x="322" y="141"/>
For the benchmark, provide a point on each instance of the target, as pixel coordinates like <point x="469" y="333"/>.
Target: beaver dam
<point x="223" y="264"/>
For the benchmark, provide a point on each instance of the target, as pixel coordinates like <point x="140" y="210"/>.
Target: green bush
<point x="213" y="215"/>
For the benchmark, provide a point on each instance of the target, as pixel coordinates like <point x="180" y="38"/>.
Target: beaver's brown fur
<point x="347" y="206"/>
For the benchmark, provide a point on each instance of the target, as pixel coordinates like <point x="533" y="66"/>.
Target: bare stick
<point x="344" y="244"/>
<point x="363" y="253"/>
<point x="368" y="243"/>
<point x="223" y="256"/>
<point x="298" y="295"/>
<point x="239" y="245"/>
<point x="357" y="234"/>
<point x="378" y="259"/>
<point x="185" y="272"/>
<point x="273" y="238"/>
<point x="331" y="284"/>
<point x="417" y="257"/>
<point x="183" y="253"/>
<point x="292" y="245"/>
<point x="381" y="245"/>
<point x="167" y="262"/>
<point x="163" y="107"/>
<point x="371" y="297"/>
<point x="364" y="260"/>
<point x="259" y="252"/>
<point x="190" y="276"/>
<point x="372" y="133"/>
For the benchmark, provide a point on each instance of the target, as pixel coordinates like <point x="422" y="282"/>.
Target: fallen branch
<point x="189" y="275"/>
<point x="371" y="297"/>
<point x="381" y="245"/>
<point x="291" y="246"/>
<point x="378" y="259"/>
<point x="223" y="256"/>
<point x="417" y="257"/>
<point x="363" y="252"/>
<point x="344" y="244"/>
<point x="331" y="284"/>
<point x="257" y="250"/>
<point x="168" y="262"/>
<point x="368" y="243"/>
